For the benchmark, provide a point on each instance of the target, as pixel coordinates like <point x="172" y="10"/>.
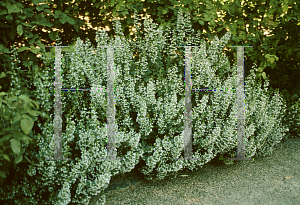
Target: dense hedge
<point x="46" y="182"/>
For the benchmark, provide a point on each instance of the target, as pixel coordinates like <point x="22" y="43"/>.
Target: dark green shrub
<point x="17" y="119"/>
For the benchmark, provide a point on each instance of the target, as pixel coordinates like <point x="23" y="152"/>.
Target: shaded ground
<point x="272" y="180"/>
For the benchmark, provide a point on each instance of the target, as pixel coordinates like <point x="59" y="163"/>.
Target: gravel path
<point x="270" y="180"/>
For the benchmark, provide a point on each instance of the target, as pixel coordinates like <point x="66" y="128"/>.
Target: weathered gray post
<point x="240" y="94"/>
<point x="57" y="108"/>
<point x="110" y="105"/>
<point x="188" y="151"/>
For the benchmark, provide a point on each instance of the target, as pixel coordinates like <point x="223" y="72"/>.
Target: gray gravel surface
<point x="266" y="180"/>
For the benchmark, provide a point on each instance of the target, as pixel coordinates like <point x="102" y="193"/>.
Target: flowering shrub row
<point x="149" y="106"/>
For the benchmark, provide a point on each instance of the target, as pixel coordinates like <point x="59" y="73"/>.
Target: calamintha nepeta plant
<point x="149" y="102"/>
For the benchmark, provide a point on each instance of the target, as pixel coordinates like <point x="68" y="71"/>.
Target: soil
<point x="271" y="179"/>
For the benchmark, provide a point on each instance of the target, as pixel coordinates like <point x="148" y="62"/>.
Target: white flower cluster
<point x="213" y="113"/>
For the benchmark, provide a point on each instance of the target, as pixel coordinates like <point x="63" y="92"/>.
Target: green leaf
<point x="219" y="29"/>
<point x="26" y="125"/>
<point x="52" y="35"/>
<point x="16" y="119"/>
<point x="3" y="12"/>
<point x="212" y="22"/>
<point x="5" y="156"/>
<point x="70" y="20"/>
<point x="2" y="75"/>
<point x="285" y="8"/>
<point x="34" y="50"/>
<point x="273" y="65"/>
<point x="31" y="41"/>
<point x="102" y="10"/>
<point x="57" y="14"/>
<point x="97" y="5"/>
<point x="25" y="98"/>
<point x="262" y="64"/>
<point x="295" y="97"/>
<point x="48" y="12"/>
<point x="5" y="138"/>
<point x="68" y="10"/>
<point x="63" y="15"/>
<point x="35" y="103"/>
<point x="268" y="56"/>
<point x="35" y="2"/>
<point x="48" y="24"/>
<point x="18" y="92"/>
<point x="201" y="22"/>
<point x="14" y="98"/>
<point x="28" y="34"/>
<point x="228" y="10"/>
<point x="112" y="3"/>
<point x="26" y="109"/>
<point x="4" y="37"/>
<point x="46" y="115"/>
<point x="1" y="49"/>
<point x="15" y="146"/>
<point x="195" y="18"/>
<point x="28" y="12"/>
<point x="9" y="17"/>
<point x="258" y="75"/>
<point x="264" y="75"/>
<point x="6" y="50"/>
<point x="289" y="17"/>
<point x="240" y="21"/>
<point x="26" y="139"/>
<point x="18" y="135"/>
<point x="76" y="27"/>
<point x="48" y="54"/>
<point x="62" y="20"/>
<point x="41" y="7"/>
<point x="39" y="43"/>
<point x="22" y="49"/>
<point x="290" y="51"/>
<point x="18" y="159"/>
<point x="206" y="17"/>
<point x="2" y="174"/>
<point x="33" y="113"/>
<point x="34" y="118"/>
<point x="13" y="8"/>
<point x="35" y="68"/>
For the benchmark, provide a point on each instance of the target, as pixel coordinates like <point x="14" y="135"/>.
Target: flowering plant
<point x="149" y="107"/>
